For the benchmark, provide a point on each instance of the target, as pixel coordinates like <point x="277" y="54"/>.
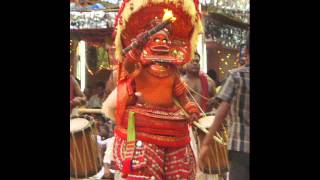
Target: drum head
<point x="206" y="121"/>
<point x="78" y="124"/>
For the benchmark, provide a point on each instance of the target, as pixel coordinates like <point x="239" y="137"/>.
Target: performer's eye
<point x="157" y="40"/>
<point x="165" y="41"/>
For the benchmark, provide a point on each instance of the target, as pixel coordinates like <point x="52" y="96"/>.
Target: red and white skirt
<point x="156" y="162"/>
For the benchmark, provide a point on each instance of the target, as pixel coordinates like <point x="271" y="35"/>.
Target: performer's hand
<point x="141" y="39"/>
<point x="193" y="117"/>
<point x="203" y="154"/>
<point x="77" y="101"/>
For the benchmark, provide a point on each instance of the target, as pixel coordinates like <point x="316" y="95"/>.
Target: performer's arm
<point x="133" y="56"/>
<point x="111" y="83"/>
<point x="180" y="92"/>
<point x="211" y="87"/>
<point x="212" y="103"/>
<point x="190" y="107"/>
<point x="80" y="98"/>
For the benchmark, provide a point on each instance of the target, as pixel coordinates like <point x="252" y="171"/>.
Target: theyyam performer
<point x="153" y="37"/>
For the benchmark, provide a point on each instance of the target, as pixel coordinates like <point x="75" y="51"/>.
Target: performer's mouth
<point x="160" y="49"/>
<point x="161" y="62"/>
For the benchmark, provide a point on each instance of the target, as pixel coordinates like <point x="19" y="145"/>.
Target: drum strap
<point x="130" y="147"/>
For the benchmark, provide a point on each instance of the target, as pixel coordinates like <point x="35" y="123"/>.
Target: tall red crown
<point x="136" y="16"/>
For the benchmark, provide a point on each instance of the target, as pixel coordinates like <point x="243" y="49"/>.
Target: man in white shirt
<point x="96" y="100"/>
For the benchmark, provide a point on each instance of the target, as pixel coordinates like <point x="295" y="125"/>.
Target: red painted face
<point x="159" y="49"/>
<point x="158" y="44"/>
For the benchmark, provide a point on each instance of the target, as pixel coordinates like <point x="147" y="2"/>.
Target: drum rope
<point x="204" y="114"/>
<point x="226" y="156"/>
<point x="95" y="132"/>
<point x="219" y="136"/>
<point x="189" y="88"/>
<point x="197" y="124"/>
<point x="218" y="162"/>
<point x="98" y="150"/>
<point x="75" y="157"/>
<point x="221" y="151"/>
<point x="215" y="158"/>
<point x="224" y="152"/>
<point x="74" y="164"/>
<point x="77" y="150"/>
<point x="195" y="101"/>
<point x="93" y="149"/>
<point x="195" y="92"/>
<point x="86" y="150"/>
<point x="224" y="131"/>
<point x="198" y="141"/>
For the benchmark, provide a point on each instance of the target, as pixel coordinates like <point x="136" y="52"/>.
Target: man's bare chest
<point x="195" y="85"/>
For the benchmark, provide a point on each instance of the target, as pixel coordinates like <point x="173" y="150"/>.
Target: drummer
<point x="200" y="85"/>
<point x="77" y="98"/>
<point x="202" y="89"/>
<point x="234" y="96"/>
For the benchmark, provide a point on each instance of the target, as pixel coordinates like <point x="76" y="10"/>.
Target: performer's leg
<point x="239" y="166"/>
<point x="180" y="163"/>
<point x="148" y="160"/>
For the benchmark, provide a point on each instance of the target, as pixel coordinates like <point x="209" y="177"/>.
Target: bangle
<point x="180" y="89"/>
<point x="133" y="56"/>
<point x="191" y="107"/>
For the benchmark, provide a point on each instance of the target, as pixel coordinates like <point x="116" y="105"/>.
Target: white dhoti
<point x="108" y="155"/>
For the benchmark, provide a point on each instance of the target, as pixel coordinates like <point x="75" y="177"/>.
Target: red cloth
<point x="204" y="91"/>
<point x="155" y="162"/>
<point x="125" y="89"/>
<point x="161" y="126"/>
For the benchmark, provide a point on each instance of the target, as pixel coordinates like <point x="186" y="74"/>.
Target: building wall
<point x="221" y="59"/>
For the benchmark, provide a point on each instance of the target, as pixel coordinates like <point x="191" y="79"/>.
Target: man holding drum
<point x="202" y="91"/>
<point x="234" y="96"/>
<point x="200" y="85"/>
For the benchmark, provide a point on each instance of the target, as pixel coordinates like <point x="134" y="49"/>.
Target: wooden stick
<point x="207" y="132"/>
<point x="93" y="111"/>
<point x="147" y="35"/>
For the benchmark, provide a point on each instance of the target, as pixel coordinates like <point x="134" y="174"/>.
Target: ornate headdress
<point x="135" y="15"/>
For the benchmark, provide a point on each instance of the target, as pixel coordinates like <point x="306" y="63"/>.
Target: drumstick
<point x="207" y="132"/>
<point x="93" y="111"/>
<point x="77" y="111"/>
